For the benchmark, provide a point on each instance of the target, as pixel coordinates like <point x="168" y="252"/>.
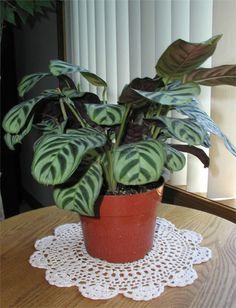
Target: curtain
<point x="122" y="39"/>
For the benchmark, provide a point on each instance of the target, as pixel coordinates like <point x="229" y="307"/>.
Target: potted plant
<point x="106" y="160"/>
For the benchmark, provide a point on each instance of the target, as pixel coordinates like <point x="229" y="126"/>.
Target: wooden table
<point x="24" y="286"/>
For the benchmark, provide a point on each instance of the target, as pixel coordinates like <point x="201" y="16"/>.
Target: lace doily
<point x="169" y="263"/>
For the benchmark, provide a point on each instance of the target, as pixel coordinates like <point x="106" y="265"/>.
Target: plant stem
<point x="156" y="132"/>
<point x="109" y="173"/>
<point x="63" y="110"/>
<point x="77" y="115"/>
<point x="122" y="126"/>
<point x="104" y="95"/>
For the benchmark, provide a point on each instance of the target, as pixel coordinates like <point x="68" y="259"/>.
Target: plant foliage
<point x="14" y="10"/>
<point x="88" y="144"/>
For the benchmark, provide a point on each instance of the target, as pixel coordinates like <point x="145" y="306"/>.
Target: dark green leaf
<point x="58" y="67"/>
<point x="185" y="130"/>
<point x="175" y="160"/>
<point x="9" y="15"/>
<point x="109" y="114"/>
<point x="138" y="163"/>
<point x="26" y="5"/>
<point x="29" y="81"/>
<point x="199" y="153"/>
<point x="12" y="140"/>
<point x="58" y="156"/>
<point x="16" y="118"/>
<point x="81" y="196"/>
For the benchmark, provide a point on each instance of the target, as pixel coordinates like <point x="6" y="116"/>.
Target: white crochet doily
<point x="169" y="263"/>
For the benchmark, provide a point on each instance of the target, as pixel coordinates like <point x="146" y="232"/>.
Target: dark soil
<point x="133" y="189"/>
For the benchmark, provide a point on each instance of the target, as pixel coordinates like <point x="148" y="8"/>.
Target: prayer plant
<point x="88" y="145"/>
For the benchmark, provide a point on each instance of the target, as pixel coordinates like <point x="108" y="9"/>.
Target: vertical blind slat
<point x="83" y="37"/>
<point x="111" y="49"/>
<point x="148" y="38"/>
<point x="74" y="27"/>
<point x="180" y="17"/>
<point x="162" y="26"/>
<point x="100" y="40"/>
<point x="91" y="40"/>
<point x="123" y="53"/>
<point x="135" y="38"/>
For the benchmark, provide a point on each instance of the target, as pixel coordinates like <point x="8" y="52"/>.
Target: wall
<point x="35" y="45"/>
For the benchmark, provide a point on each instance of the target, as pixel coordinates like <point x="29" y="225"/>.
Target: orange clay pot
<point x="125" y="229"/>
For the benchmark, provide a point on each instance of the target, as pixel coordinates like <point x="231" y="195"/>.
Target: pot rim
<point x="162" y="183"/>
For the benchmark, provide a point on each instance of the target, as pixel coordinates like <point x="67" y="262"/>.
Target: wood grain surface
<point x="24" y="286"/>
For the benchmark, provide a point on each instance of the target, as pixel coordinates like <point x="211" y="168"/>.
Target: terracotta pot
<point x="125" y="229"/>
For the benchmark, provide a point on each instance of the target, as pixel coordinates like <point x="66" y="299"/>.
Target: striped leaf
<point x="51" y="92"/>
<point x="58" y="67"/>
<point x="71" y="93"/>
<point x="193" y="110"/>
<point x="12" y="140"/>
<point x="105" y="114"/>
<point x="182" y="57"/>
<point x="93" y="79"/>
<point x="220" y="75"/>
<point x="29" y="81"/>
<point x="174" y="95"/>
<point x="47" y="128"/>
<point x="175" y="160"/>
<point x="87" y="133"/>
<point x="81" y="196"/>
<point x="58" y="156"/>
<point x="16" y="118"/>
<point x="199" y="153"/>
<point x="138" y="163"/>
<point x="185" y="130"/>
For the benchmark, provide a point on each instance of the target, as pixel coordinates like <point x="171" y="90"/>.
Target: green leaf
<point x="220" y="75"/>
<point x="26" y="5"/>
<point x="58" y="67"/>
<point x="12" y="140"/>
<point x="58" y="156"/>
<point x="16" y="118"/>
<point x="199" y="153"/>
<point x="81" y="196"/>
<point x="38" y="8"/>
<point x="51" y="126"/>
<point x="105" y="114"/>
<point x="138" y="163"/>
<point x="45" y="3"/>
<point x="71" y="93"/>
<point x="175" y="160"/>
<point x="9" y="15"/>
<point x="29" y="81"/>
<point x="181" y="57"/>
<point x="87" y="133"/>
<point x="93" y="79"/>
<point x="175" y="94"/>
<point x="185" y="130"/>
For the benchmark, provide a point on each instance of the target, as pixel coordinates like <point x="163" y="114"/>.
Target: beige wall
<point x="222" y="172"/>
